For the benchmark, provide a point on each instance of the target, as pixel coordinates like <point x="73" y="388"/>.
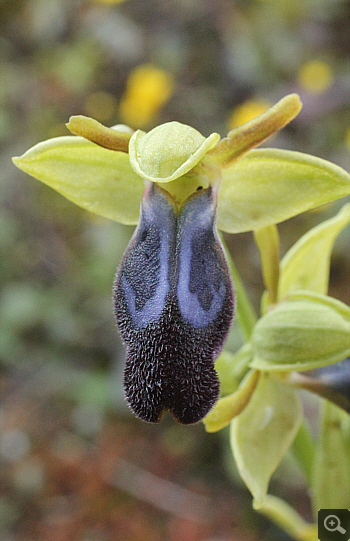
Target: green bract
<point x="263" y="432"/>
<point x="103" y="171"/>
<point x="306" y="265"/>
<point x="331" y="475"/>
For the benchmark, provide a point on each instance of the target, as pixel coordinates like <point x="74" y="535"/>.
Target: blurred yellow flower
<point x="148" y="89"/>
<point x="315" y="76"/>
<point x="247" y="111"/>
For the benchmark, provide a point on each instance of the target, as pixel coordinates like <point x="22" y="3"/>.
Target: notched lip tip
<point x="157" y="420"/>
<point x="147" y="418"/>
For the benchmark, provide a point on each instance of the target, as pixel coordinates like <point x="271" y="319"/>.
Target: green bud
<point x="307" y="331"/>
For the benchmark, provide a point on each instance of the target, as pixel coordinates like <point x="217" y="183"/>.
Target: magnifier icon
<point x="332" y="524"/>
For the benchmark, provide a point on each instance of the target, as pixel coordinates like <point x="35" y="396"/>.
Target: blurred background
<point x="75" y="464"/>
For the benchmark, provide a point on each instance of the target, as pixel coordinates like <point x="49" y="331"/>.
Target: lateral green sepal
<point x="268" y="186"/>
<point x="92" y="177"/>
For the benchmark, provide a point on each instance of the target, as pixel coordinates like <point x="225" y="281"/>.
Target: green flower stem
<point x="245" y="312"/>
<point x="281" y="513"/>
<point x="303" y="449"/>
<point x="267" y="240"/>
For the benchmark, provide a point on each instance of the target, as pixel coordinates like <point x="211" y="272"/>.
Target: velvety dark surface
<point x="174" y="307"/>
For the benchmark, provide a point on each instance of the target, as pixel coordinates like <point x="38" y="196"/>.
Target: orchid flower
<point x="174" y="300"/>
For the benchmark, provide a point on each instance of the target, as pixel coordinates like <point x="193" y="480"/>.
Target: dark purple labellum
<point x="174" y="306"/>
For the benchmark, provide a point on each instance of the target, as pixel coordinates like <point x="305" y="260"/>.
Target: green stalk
<point x="281" y="513"/>
<point x="267" y="240"/>
<point x="245" y="312"/>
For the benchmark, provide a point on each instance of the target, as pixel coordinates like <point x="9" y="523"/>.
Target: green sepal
<point x="263" y="432"/>
<point x="95" y="178"/>
<point x="169" y="151"/>
<point x="306" y="331"/>
<point x="306" y="264"/>
<point x="331" y="474"/>
<point x="268" y="186"/>
<point x="232" y="405"/>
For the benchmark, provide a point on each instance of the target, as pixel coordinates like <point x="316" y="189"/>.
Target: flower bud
<point x="308" y="331"/>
